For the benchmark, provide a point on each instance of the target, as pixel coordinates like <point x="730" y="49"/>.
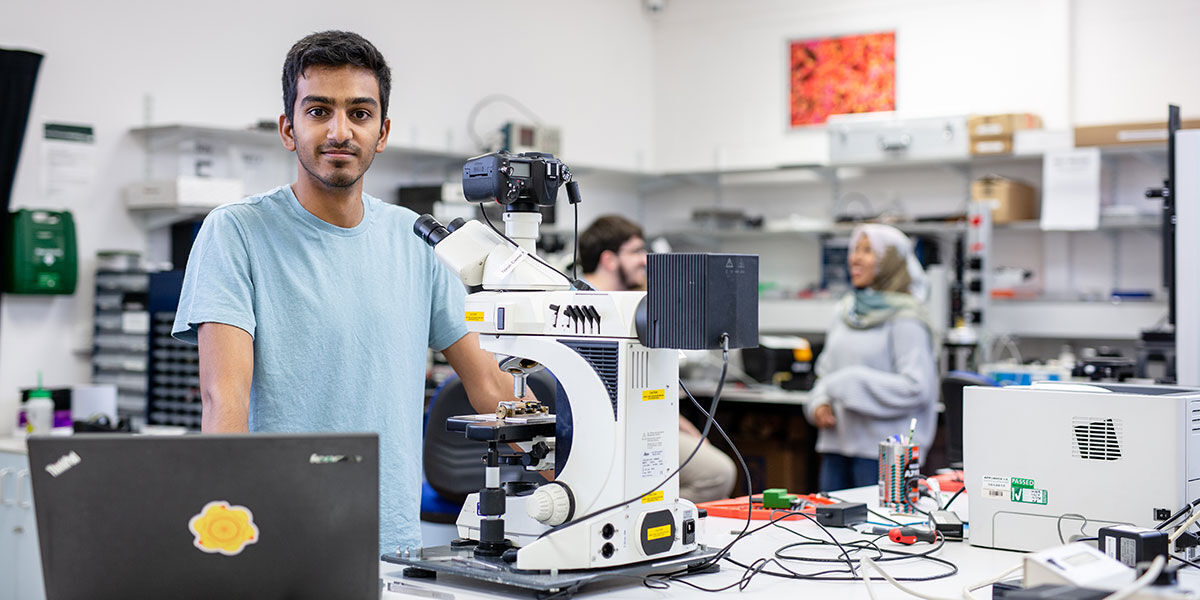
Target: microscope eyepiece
<point x="429" y="229"/>
<point x="455" y="224"/>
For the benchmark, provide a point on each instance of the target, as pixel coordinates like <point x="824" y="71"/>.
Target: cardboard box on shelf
<point x="1035" y="142"/>
<point x="996" y="146"/>
<point x="1127" y="134"/>
<point x="999" y="126"/>
<point x="993" y="134"/>
<point x="1011" y="200"/>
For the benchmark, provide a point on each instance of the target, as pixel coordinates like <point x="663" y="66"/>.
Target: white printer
<point x="1065" y="457"/>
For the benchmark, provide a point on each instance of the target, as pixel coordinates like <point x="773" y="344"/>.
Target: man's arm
<point x="226" y="370"/>
<point x="486" y="384"/>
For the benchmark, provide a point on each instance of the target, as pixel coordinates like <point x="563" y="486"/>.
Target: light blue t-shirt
<point x="341" y="319"/>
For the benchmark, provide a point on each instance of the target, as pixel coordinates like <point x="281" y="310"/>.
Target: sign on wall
<point x="839" y="75"/>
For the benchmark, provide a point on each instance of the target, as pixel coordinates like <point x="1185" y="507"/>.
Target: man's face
<point x="631" y="264"/>
<point x="337" y="125"/>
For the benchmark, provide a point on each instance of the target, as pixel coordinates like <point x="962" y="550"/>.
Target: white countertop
<point x="12" y="444"/>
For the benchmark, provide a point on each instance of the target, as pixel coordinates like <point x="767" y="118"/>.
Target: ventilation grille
<point x="675" y="302"/>
<point x="639" y="365"/>
<point x="1194" y="406"/>
<point x="1097" y="438"/>
<point x="602" y="356"/>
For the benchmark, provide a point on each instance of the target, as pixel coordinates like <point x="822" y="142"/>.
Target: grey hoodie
<point x="877" y="379"/>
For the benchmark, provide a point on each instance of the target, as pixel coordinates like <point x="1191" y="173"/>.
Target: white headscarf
<point x="881" y="237"/>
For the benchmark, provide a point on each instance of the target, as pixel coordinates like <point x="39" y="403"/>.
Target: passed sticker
<point x="653" y="497"/>
<point x="222" y="528"/>
<point x="654" y="394"/>
<point x="474" y="316"/>
<point x="1026" y="491"/>
<point x="657" y="533"/>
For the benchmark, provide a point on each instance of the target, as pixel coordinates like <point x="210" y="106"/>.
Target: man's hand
<point x="486" y="384"/>
<point x="226" y="371"/>
<point x="823" y="417"/>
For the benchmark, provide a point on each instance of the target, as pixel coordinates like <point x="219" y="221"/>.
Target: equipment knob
<point x="550" y="504"/>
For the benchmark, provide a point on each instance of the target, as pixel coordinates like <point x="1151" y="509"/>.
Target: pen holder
<point x="897" y="468"/>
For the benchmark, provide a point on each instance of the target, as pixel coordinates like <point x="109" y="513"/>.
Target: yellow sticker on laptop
<point x="222" y="528"/>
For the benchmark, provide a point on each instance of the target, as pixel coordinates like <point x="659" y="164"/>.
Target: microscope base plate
<point x="462" y="562"/>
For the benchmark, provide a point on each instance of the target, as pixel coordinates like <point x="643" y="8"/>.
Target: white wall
<point x="721" y="93"/>
<point x="721" y="87"/>
<point x="585" y="66"/>
<point x="1129" y="59"/>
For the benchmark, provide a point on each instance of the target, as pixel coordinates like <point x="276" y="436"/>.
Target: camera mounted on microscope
<point x="521" y="182"/>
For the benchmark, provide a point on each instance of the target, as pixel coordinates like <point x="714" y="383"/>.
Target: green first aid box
<point x="39" y="254"/>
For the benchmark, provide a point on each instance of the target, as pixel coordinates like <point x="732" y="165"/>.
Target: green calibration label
<point x="1024" y="490"/>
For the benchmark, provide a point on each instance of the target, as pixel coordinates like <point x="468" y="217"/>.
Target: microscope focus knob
<point x="551" y="504"/>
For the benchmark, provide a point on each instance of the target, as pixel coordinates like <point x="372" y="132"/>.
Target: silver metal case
<point x="854" y="139"/>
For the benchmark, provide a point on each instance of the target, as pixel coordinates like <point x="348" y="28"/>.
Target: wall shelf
<point x="1067" y="319"/>
<point x="1107" y="223"/>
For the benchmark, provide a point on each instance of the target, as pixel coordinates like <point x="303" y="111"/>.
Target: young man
<point x="612" y="252"/>
<point x="314" y="304"/>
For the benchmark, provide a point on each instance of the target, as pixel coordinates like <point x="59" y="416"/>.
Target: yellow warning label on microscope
<point x="653" y="497"/>
<point x="655" y="533"/>
<point x="474" y="316"/>
<point x="654" y="394"/>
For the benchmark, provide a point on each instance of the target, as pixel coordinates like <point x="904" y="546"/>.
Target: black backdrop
<point x="18" y="72"/>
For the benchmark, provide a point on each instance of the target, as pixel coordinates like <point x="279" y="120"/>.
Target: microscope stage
<point x="487" y="428"/>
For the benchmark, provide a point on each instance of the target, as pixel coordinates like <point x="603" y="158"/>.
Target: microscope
<point x="614" y="500"/>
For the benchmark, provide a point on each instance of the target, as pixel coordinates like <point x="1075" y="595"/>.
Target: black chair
<point x="453" y="464"/>
<point x="952" y="399"/>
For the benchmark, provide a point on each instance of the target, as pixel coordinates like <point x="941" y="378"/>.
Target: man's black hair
<point x="609" y="232"/>
<point x="334" y="49"/>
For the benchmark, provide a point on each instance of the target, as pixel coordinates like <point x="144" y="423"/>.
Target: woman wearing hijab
<point x="877" y="371"/>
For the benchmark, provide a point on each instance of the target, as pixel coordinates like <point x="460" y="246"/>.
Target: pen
<point x="912" y="426"/>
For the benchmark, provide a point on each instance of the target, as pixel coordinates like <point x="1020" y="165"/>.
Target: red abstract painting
<point x="850" y="74"/>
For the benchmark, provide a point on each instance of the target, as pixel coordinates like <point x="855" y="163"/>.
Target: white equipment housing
<point x="1038" y="457"/>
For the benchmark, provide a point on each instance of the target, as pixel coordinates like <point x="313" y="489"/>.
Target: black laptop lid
<point x="208" y="516"/>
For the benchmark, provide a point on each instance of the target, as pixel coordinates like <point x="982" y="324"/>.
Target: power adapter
<point x="947" y="523"/>
<point x="1132" y="545"/>
<point x="841" y="514"/>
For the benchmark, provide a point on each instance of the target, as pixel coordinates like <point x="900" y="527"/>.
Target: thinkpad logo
<point x="61" y="465"/>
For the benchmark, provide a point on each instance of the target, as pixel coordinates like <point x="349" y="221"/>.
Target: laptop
<point x="208" y="516"/>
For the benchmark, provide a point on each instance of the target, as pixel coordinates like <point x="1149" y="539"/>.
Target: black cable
<point x="760" y="565"/>
<point x="518" y="246"/>
<point x="1179" y="513"/>
<point x="1185" y="561"/>
<point x="723" y="554"/>
<point x="703" y="435"/>
<point x="916" y="483"/>
<point x="952" y="498"/>
<point x="708" y="416"/>
<point x="575" y="258"/>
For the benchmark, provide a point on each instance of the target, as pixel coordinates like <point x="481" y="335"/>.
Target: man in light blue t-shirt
<point x="314" y="303"/>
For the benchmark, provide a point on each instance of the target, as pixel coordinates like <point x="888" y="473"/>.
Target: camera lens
<point x="427" y="228"/>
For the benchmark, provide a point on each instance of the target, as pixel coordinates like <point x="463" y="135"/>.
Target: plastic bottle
<point x="39" y="410"/>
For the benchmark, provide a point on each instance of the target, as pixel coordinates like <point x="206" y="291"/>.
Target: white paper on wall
<point x="68" y="164"/>
<point x="1071" y="190"/>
